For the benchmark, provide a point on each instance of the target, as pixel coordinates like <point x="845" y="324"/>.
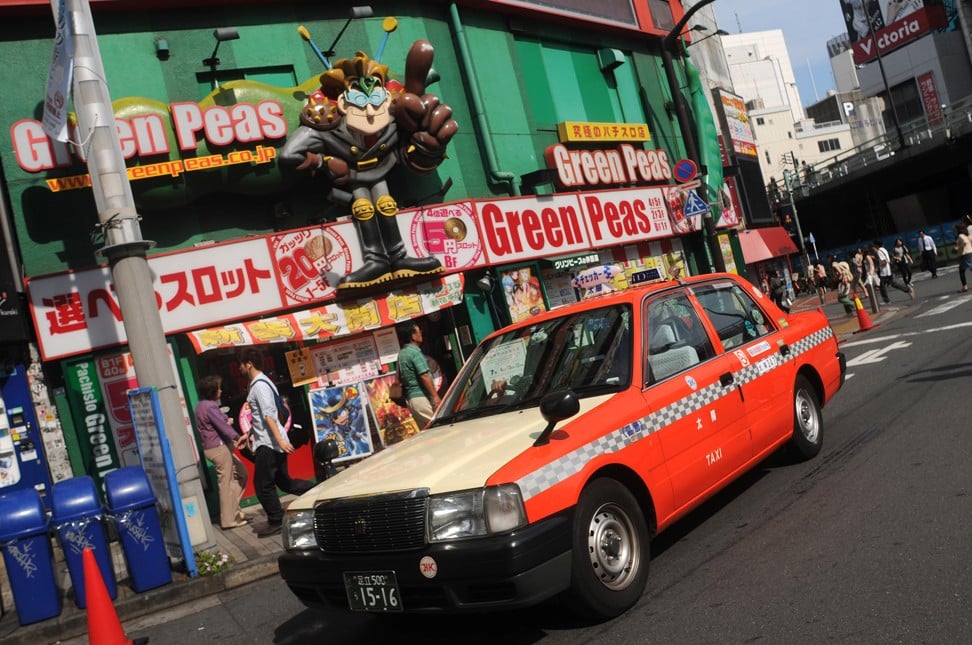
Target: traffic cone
<point x="104" y="628"/>
<point x="862" y="318"/>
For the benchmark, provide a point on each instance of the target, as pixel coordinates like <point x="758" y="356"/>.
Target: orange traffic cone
<point x="104" y="628"/>
<point x="862" y="318"/>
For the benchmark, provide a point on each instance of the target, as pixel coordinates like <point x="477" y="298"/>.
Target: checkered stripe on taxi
<point x="573" y="462"/>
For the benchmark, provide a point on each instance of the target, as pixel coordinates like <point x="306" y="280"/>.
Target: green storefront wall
<point x="518" y="80"/>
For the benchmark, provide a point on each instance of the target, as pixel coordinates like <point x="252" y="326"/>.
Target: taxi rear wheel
<point x="610" y="551"/>
<point x="807" y="420"/>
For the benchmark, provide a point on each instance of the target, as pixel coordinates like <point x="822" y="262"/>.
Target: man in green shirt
<point x="413" y="374"/>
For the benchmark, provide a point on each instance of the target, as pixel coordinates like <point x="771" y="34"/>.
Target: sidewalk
<point x="844" y="325"/>
<point x="254" y="558"/>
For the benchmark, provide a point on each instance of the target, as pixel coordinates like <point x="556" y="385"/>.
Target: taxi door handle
<point x="726" y="379"/>
<point x="785" y="350"/>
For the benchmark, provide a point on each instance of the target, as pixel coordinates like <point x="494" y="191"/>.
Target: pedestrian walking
<point x="820" y="281"/>
<point x="886" y="275"/>
<point x="902" y="260"/>
<point x="857" y="266"/>
<point x="270" y="444"/>
<point x="778" y="291"/>
<point x="963" y="248"/>
<point x="415" y="376"/>
<point x="219" y="438"/>
<point x="929" y="253"/>
<point x="844" y="279"/>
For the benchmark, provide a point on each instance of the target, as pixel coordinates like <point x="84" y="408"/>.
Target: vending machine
<point x="22" y="460"/>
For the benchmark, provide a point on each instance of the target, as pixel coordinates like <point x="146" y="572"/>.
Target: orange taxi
<point x="566" y="443"/>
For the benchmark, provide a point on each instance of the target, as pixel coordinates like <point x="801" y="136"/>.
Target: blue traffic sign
<point x="694" y="205"/>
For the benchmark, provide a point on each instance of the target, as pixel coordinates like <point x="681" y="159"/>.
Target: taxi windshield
<point x="587" y="352"/>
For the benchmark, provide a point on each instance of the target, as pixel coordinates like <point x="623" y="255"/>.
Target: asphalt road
<point x="869" y="542"/>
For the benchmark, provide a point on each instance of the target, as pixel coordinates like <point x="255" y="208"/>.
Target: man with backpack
<point x="270" y="443"/>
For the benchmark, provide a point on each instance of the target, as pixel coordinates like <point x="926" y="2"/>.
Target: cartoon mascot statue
<point x="356" y="128"/>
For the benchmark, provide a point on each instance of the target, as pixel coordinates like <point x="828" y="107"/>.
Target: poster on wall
<point x="395" y="423"/>
<point x="341" y="413"/>
<point x="521" y="288"/>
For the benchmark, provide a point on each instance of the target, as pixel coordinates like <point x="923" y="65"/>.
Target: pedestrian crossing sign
<point x="694" y="205"/>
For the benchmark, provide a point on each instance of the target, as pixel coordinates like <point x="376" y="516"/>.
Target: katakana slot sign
<point x="76" y="312"/>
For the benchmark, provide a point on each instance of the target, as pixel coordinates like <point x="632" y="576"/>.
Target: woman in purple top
<point x="218" y="440"/>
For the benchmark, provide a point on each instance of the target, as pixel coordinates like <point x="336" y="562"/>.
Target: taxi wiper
<point x="476" y="413"/>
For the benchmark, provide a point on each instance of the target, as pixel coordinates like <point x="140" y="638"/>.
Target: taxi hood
<point x="446" y="458"/>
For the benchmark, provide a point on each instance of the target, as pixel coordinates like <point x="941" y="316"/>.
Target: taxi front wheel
<point x="807" y="420"/>
<point x="610" y="551"/>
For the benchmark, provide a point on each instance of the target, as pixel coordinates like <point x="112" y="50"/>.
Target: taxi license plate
<point x="375" y="591"/>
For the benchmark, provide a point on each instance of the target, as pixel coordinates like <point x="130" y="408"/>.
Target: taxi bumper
<point x="517" y="569"/>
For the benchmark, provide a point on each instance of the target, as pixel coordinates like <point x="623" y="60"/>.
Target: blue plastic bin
<point x="28" y="556"/>
<point x="131" y="504"/>
<point x="77" y="519"/>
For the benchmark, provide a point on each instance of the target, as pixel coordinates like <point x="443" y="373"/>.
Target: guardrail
<point x="955" y="121"/>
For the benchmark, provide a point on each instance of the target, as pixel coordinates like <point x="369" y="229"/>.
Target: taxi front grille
<point x="380" y="523"/>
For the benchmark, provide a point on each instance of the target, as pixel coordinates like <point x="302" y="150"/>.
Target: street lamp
<point x="681" y="113"/>
<point x="717" y="32"/>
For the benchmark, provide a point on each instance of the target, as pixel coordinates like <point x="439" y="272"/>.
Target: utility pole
<point x="788" y="180"/>
<point x="887" y="87"/>
<point x="125" y="250"/>
<point x="685" y="126"/>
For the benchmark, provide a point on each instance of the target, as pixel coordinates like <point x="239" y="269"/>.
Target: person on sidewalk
<point x="857" y="266"/>
<point x="218" y="441"/>
<point x="887" y="275"/>
<point x="844" y="281"/>
<point x="963" y="248"/>
<point x="270" y="445"/>
<point x="778" y="290"/>
<point x="929" y="253"/>
<point x="414" y="375"/>
<point x="902" y="260"/>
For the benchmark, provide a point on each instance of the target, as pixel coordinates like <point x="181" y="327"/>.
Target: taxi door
<point x="697" y="410"/>
<point x="759" y="357"/>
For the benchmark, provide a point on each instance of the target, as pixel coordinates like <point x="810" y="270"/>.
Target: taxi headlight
<point x="298" y="531"/>
<point x="475" y="513"/>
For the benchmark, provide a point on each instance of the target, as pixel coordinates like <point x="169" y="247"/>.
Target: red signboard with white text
<point x="930" y="98"/>
<point x="913" y="26"/>
<point x="205" y="286"/>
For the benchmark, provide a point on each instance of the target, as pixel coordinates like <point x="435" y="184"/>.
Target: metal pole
<point x="684" y="123"/>
<point x="125" y="249"/>
<point x="887" y="87"/>
<point x="796" y="218"/>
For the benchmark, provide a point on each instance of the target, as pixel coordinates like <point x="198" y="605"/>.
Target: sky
<point x="807" y="26"/>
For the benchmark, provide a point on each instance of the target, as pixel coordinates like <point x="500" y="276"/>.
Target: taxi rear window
<point x="734" y="314"/>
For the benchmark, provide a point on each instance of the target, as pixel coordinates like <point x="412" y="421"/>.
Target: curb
<point x="74" y="622"/>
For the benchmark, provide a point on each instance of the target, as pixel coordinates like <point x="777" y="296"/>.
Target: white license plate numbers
<point x="375" y="591"/>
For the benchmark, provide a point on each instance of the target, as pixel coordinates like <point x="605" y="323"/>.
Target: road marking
<point x="945" y="307"/>
<point x="876" y="355"/>
<point x="885" y="339"/>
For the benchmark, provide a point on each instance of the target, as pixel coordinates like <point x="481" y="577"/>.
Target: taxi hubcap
<point x="613" y="547"/>
<point x="806" y="416"/>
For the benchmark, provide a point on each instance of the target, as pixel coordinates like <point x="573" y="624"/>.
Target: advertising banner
<point x="97" y="442"/>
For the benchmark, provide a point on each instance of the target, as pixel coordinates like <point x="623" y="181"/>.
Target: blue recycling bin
<point x="28" y="556"/>
<point x="76" y="515"/>
<point x="131" y="504"/>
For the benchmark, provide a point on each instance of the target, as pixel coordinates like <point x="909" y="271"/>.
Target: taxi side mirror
<point x="555" y="407"/>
